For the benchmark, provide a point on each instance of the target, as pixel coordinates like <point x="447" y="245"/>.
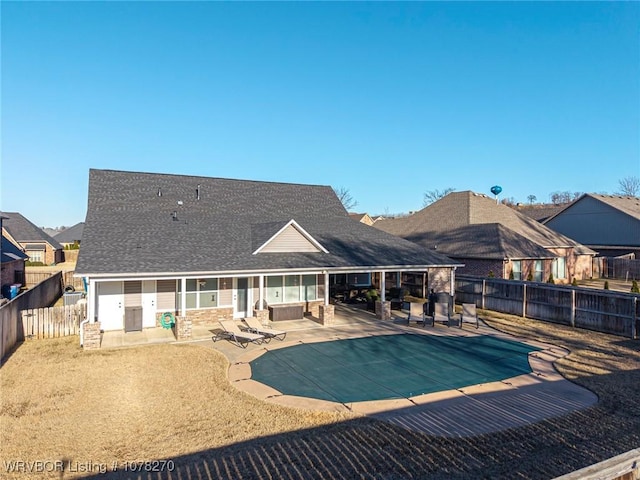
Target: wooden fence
<point x="32" y="278"/>
<point x="600" y="310"/>
<point x="54" y="321"/>
<point x="42" y="295"/>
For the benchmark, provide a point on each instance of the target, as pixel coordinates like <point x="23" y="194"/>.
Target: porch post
<point x="261" y="291"/>
<point x="383" y="285"/>
<point x="326" y="287"/>
<point x="91" y="301"/>
<point x="183" y="297"/>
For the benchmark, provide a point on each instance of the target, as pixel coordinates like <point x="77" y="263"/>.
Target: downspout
<point x="89" y="311"/>
<point x="82" y="324"/>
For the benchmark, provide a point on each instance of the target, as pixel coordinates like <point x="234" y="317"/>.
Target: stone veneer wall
<point x="383" y="310"/>
<point x="203" y="317"/>
<point x="182" y="328"/>
<point x="326" y="314"/>
<point x="92" y="337"/>
<point x="262" y="315"/>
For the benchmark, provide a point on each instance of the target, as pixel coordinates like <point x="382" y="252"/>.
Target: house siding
<point x="592" y="222"/>
<point x="289" y="240"/>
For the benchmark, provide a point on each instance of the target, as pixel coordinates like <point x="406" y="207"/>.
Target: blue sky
<point x="387" y="100"/>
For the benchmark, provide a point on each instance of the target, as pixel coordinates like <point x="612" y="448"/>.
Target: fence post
<point x="634" y="318"/>
<point x="573" y="307"/>
<point x="483" y="292"/>
<point x="524" y="300"/>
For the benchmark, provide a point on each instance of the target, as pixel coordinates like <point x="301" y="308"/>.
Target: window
<point x="35" y="256"/>
<point x="291" y="288"/>
<point x="309" y="287"/>
<point x="516" y="269"/>
<point x="359" y="279"/>
<point x="274" y="289"/>
<point x="200" y="293"/>
<point x="559" y="268"/>
<point x="538" y="271"/>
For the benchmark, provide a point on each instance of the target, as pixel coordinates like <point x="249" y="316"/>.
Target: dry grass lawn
<point x="150" y="402"/>
<point x="174" y="402"/>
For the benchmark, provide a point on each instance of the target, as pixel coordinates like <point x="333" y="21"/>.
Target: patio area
<point x="467" y="411"/>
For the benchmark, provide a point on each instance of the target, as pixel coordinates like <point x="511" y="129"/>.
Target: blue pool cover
<point x="389" y="366"/>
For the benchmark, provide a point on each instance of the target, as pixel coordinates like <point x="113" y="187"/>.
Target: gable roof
<point x="10" y="252"/>
<point x="464" y="209"/>
<point x="23" y="231"/>
<point x="291" y="237"/>
<point x="626" y="204"/>
<point x="157" y="223"/>
<point x="71" y="234"/>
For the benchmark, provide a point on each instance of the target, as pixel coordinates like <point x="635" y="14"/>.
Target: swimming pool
<point x="389" y="366"/>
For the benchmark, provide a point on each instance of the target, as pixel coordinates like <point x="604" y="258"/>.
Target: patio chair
<point x="441" y="313"/>
<point x="469" y="314"/>
<point x="416" y="313"/>
<point x="232" y="332"/>
<point x="254" y="325"/>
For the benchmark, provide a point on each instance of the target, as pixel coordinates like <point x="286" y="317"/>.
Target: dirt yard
<point x="173" y="405"/>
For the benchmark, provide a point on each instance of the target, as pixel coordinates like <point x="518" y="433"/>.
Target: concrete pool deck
<point x="467" y="411"/>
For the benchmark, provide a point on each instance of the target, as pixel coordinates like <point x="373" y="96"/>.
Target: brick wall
<point x="481" y="268"/>
<point x="92" y="338"/>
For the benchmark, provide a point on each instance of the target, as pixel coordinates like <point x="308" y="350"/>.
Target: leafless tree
<point x="629" y="186"/>
<point x="532" y="198"/>
<point x="345" y="197"/>
<point x="560" y="198"/>
<point x="434" y="195"/>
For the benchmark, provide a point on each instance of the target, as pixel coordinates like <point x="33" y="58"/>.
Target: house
<point x="608" y="224"/>
<point x="492" y="239"/>
<point x="39" y="246"/>
<point x="363" y="218"/>
<point x="210" y="248"/>
<point x="70" y="237"/>
<point x="12" y="261"/>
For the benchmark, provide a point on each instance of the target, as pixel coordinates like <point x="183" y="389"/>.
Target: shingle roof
<point x="71" y="234"/>
<point x="10" y="251"/>
<point x="489" y="241"/>
<point x="130" y="228"/>
<point x="540" y="213"/>
<point x="626" y="204"/>
<point x="464" y="209"/>
<point x="23" y="231"/>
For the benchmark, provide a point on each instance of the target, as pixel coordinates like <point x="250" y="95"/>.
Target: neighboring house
<point x="362" y="218"/>
<point x="12" y="261"/>
<point x="39" y="246"/>
<point x="608" y="224"/>
<point x="211" y="249"/>
<point x="540" y="212"/>
<point x="493" y="239"/>
<point x="70" y="236"/>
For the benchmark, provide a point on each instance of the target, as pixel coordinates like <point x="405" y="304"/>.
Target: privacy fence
<point x="600" y="310"/>
<point x="53" y="322"/>
<point x="33" y="277"/>
<point x="40" y="296"/>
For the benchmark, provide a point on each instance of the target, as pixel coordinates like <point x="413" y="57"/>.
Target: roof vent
<point x="174" y="215"/>
<point x="198" y="192"/>
<point x="159" y="192"/>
